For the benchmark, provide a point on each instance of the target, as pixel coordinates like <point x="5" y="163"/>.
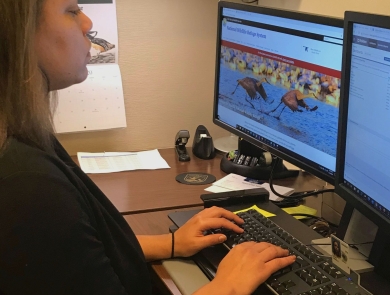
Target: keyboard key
<point x="288" y="284"/>
<point x="323" y="279"/>
<point x="314" y="257"/>
<point x="301" y="261"/>
<point x="337" y="289"/>
<point x="273" y="283"/>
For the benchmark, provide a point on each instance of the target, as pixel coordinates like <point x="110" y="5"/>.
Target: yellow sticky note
<point x="300" y="209"/>
<point x="261" y="211"/>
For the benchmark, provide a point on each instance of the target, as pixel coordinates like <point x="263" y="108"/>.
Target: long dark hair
<point x="26" y="106"/>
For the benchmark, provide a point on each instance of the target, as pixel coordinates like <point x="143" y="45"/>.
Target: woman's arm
<point x="190" y="239"/>
<point x="156" y="247"/>
<point x="47" y="243"/>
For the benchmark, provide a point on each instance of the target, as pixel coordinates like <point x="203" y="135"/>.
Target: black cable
<point x="249" y="2"/>
<point x="298" y="196"/>
<point x="285" y="203"/>
<point x="314" y="216"/>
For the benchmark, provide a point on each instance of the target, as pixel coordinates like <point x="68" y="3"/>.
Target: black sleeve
<point x="48" y="244"/>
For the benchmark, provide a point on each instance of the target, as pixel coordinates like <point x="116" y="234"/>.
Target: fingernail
<point x="222" y="238"/>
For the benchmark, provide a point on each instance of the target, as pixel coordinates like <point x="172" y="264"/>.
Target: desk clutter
<point x="203" y="146"/>
<point x="235" y="182"/>
<point x="251" y="161"/>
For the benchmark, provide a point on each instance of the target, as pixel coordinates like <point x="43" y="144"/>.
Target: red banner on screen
<point x="288" y="60"/>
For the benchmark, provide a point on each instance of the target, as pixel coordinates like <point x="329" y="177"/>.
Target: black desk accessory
<point x="203" y="146"/>
<point x="195" y="178"/>
<point x="262" y="169"/>
<point x="240" y="197"/>
<point x="180" y="145"/>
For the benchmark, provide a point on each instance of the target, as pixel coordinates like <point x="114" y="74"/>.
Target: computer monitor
<point x="363" y="154"/>
<point x="278" y="82"/>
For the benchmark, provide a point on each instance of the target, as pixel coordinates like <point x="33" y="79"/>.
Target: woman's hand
<point x="190" y="238"/>
<point x="245" y="267"/>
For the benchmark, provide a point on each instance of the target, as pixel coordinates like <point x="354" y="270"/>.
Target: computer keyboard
<point x="310" y="274"/>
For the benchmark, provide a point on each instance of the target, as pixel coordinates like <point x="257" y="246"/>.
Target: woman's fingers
<point x="279" y="263"/>
<point x="222" y="213"/>
<point x="271" y="252"/>
<point x="211" y="223"/>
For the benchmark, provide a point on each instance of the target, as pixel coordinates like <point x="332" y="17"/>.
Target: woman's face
<point x="61" y="43"/>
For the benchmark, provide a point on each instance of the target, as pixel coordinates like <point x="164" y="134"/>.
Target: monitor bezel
<point x="340" y="188"/>
<point x="301" y="16"/>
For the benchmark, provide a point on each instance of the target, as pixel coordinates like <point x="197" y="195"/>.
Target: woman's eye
<point x="75" y="12"/>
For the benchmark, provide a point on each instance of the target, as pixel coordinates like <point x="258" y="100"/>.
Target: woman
<point x="59" y="234"/>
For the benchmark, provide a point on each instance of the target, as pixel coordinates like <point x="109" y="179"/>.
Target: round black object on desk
<point x="194" y="178"/>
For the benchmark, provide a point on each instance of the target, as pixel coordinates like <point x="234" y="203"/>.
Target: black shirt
<point x="59" y="234"/>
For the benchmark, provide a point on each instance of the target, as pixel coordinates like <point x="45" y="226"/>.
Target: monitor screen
<point x="363" y="166"/>
<point x="278" y="76"/>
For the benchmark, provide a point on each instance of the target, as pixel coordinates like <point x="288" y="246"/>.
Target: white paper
<point x="233" y="182"/>
<point x="98" y="102"/>
<point x="95" y="104"/>
<point x="116" y="162"/>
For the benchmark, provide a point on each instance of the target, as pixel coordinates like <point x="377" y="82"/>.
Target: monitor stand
<point x="262" y="172"/>
<point x="226" y="144"/>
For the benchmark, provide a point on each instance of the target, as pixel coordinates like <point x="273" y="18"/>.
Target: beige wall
<point x="167" y="58"/>
<point x="331" y="7"/>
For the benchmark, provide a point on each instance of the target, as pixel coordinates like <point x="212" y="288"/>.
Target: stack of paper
<point x="234" y="182"/>
<point x="115" y="162"/>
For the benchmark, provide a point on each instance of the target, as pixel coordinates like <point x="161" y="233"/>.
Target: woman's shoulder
<point x="29" y="175"/>
<point x="19" y="157"/>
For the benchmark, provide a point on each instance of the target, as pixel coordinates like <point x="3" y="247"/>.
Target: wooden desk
<point x="153" y="190"/>
<point x="146" y="197"/>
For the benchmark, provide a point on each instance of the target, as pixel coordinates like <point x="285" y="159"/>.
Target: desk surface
<point x="153" y="190"/>
<point x="157" y="192"/>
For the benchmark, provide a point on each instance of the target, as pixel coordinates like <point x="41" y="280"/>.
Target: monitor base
<point x="226" y="144"/>
<point x="262" y="171"/>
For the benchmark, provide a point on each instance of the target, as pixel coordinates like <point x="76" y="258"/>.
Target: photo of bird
<point x="99" y="46"/>
<point x="254" y="88"/>
<point x="312" y="95"/>
<point x="294" y="99"/>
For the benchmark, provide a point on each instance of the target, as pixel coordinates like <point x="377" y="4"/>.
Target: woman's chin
<point x="65" y="84"/>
